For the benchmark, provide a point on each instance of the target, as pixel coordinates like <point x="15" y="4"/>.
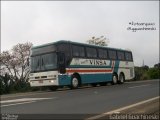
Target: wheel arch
<point x="115" y="73"/>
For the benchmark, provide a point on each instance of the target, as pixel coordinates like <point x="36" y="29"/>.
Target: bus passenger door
<point x="61" y="63"/>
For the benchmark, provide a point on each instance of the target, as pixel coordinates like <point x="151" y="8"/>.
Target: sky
<point x="41" y="22"/>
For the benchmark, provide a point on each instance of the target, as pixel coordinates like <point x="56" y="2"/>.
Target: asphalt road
<point x="85" y="101"/>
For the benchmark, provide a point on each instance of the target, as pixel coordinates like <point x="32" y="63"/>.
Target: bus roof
<point x="77" y="43"/>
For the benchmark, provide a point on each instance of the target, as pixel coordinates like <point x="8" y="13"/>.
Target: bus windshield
<point x="44" y="62"/>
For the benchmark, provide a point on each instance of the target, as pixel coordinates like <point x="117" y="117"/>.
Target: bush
<point x="143" y="73"/>
<point x="2" y="87"/>
<point x="21" y="86"/>
<point x="145" y="76"/>
<point x="154" y="73"/>
<point x="7" y="85"/>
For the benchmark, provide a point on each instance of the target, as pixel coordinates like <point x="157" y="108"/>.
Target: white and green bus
<point x="66" y="63"/>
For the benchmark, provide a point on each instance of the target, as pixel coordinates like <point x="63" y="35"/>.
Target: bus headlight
<point x="52" y="81"/>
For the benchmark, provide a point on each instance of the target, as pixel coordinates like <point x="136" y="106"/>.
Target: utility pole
<point x="143" y="63"/>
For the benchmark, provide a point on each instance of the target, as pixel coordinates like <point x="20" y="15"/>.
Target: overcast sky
<point x="41" y="22"/>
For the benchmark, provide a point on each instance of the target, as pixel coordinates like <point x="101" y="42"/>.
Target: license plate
<point x="40" y="81"/>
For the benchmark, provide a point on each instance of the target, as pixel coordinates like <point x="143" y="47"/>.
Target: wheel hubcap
<point x="114" y="79"/>
<point x="75" y="82"/>
<point x="122" y="80"/>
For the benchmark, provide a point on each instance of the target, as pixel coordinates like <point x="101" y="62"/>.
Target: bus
<point x="72" y="64"/>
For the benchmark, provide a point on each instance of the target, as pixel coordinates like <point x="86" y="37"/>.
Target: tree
<point x="2" y="85"/>
<point x="22" y="53"/>
<point x="145" y="67"/>
<point x="154" y="73"/>
<point x="15" y="61"/>
<point x="101" y="41"/>
<point x="8" y="63"/>
<point x="157" y="65"/>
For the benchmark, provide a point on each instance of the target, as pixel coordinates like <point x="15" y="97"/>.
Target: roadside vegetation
<point x="146" y="73"/>
<point x="15" y="69"/>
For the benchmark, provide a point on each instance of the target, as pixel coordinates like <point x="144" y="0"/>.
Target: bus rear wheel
<point x="114" y="79"/>
<point x="74" y="82"/>
<point x="121" y="79"/>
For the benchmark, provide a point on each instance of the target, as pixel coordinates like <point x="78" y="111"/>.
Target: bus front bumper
<point x="36" y="83"/>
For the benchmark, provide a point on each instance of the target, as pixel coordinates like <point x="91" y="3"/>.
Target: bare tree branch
<point x="101" y="41"/>
<point x="16" y="60"/>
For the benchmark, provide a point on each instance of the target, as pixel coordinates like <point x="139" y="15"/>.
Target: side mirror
<point x="61" y="62"/>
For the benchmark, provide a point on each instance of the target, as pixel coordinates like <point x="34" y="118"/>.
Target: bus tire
<point x="114" y="79"/>
<point x="121" y="78"/>
<point x="53" y="88"/>
<point x="74" y="82"/>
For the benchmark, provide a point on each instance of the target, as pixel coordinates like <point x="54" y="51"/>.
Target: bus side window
<point x="75" y="51"/>
<point x="112" y="54"/>
<point x="128" y="56"/>
<point x="78" y="51"/>
<point x="91" y="52"/>
<point x="120" y="55"/>
<point x="102" y="53"/>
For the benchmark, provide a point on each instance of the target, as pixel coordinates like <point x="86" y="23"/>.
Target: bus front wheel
<point x="114" y="79"/>
<point x="74" y="83"/>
